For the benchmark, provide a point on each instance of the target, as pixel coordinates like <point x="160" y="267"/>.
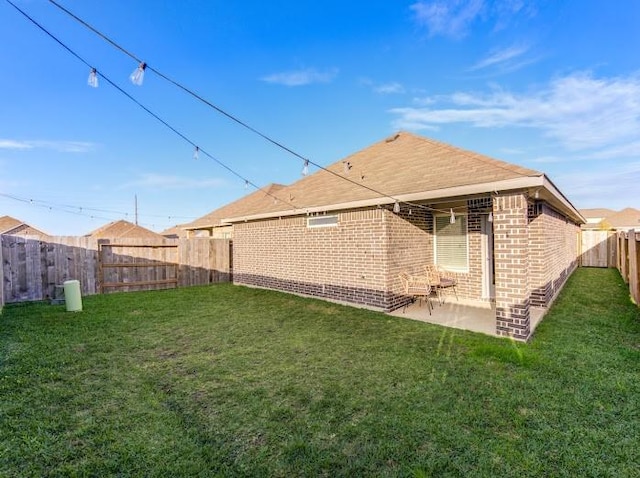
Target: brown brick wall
<point x="511" y="257"/>
<point x="357" y="261"/>
<point x="554" y="252"/>
<point x="345" y="262"/>
<point x="409" y="247"/>
<point x="470" y="284"/>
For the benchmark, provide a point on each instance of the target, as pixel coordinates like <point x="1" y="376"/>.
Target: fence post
<point x="624" y="247"/>
<point x="634" y="272"/>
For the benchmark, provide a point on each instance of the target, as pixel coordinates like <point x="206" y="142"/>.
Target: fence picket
<point x="31" y="267"/>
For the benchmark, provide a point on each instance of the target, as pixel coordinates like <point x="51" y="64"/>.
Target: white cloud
<point x="13" y="144"/>
<point x="454" y="18"/>
<point x="389" y="88"/>
<point x="626" y="150"/>
<point x="450" y="18"/>
<point x="159" y="181"/>
<point x="616" y="187"/>
<point x="60" y="146"/>
<point x="579" y="111"/>
<point x="306" y="76"/>
<point x="500" y="58"/>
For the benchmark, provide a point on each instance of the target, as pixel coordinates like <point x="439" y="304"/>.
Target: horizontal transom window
<point x="322" y="221"/>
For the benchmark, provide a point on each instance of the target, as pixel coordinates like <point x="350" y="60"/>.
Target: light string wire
<point x="229" y="115"/>
<point x="80" y="210"/>
<point x="147" y="110"/>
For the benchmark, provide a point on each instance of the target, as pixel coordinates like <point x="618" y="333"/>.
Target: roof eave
<point x="508" y="184"/>
<point x="566" y="205"/>
<point x="540" y="181"/>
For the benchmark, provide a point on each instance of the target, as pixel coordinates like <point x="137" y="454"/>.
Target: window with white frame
<point x="450" y="243"/>
<point x="322" y="221"/>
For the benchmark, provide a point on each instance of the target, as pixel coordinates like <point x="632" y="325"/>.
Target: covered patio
<point x="476" y="316"/>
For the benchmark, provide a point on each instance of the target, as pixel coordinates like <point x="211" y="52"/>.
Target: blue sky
<point x="551" y="85"/>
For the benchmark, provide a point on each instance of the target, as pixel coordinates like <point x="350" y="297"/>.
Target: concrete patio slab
<point x="476" y="316"/>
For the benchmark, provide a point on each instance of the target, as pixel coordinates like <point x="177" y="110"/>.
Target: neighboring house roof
<point x="123" y="229"/>
<point x="405" y="167"/>
<point x="11" y="225"/>
<point x="175" y="232"/>
<point x="628" y="218"/>
<point x="596" y="213"/>
<point x="253" y="201"/>
<point x="8" y="223"/>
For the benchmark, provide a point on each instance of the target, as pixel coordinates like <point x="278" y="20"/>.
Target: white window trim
<point x="315" y="226"/>
<point x="435" y="243"/>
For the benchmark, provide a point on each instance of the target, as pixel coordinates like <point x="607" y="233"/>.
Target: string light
<point x="347" y="165"/>
<point x="305" y="168"/>
<point x="396" y="207"/>
<point x="92" y="81"/>
<point x="137" y="77"/>
<point x="142" y="67"/>
<point x="196" y="153"/>
<point x="490" y="218"/>
<point x="452" y="219"/>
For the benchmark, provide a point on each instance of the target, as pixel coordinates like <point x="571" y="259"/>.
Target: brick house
<point x="509" y="234"/>
<point x="213" y="224"/>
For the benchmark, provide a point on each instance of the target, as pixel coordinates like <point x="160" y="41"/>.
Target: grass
<point x="231" y="381"/>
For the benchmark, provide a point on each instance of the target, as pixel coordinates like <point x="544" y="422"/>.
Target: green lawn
<point x="231" y="381"/>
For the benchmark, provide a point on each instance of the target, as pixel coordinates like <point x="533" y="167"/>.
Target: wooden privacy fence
<point x="629" y="261"/>
<point x="32" y="267"/>
<point x="126" y="267"/>
<point x="597" y="248"/>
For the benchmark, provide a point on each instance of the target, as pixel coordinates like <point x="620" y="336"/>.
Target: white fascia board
<point x="549" y="186"/>
<point x="457" y="191"/>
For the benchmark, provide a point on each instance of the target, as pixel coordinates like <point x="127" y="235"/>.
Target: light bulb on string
<point x="396" y="207"/>
<point x="137" y="77"/>
<point x="246" y="184"/>
<point x="92" y="81"/>
<point x="196" y="153"/>
<point x="305" y="168"/>
<point x="490" y="218"/>
<point x="452" y="219"/>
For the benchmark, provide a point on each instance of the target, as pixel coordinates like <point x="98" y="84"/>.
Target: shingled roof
<point x="11" y="225"/>
<point x="596" y="213"/>
<point x="404" y="167"/>
<point x="628" y="218"/>
<point x="123" y="229"/>
<point x="254" y="201"/>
